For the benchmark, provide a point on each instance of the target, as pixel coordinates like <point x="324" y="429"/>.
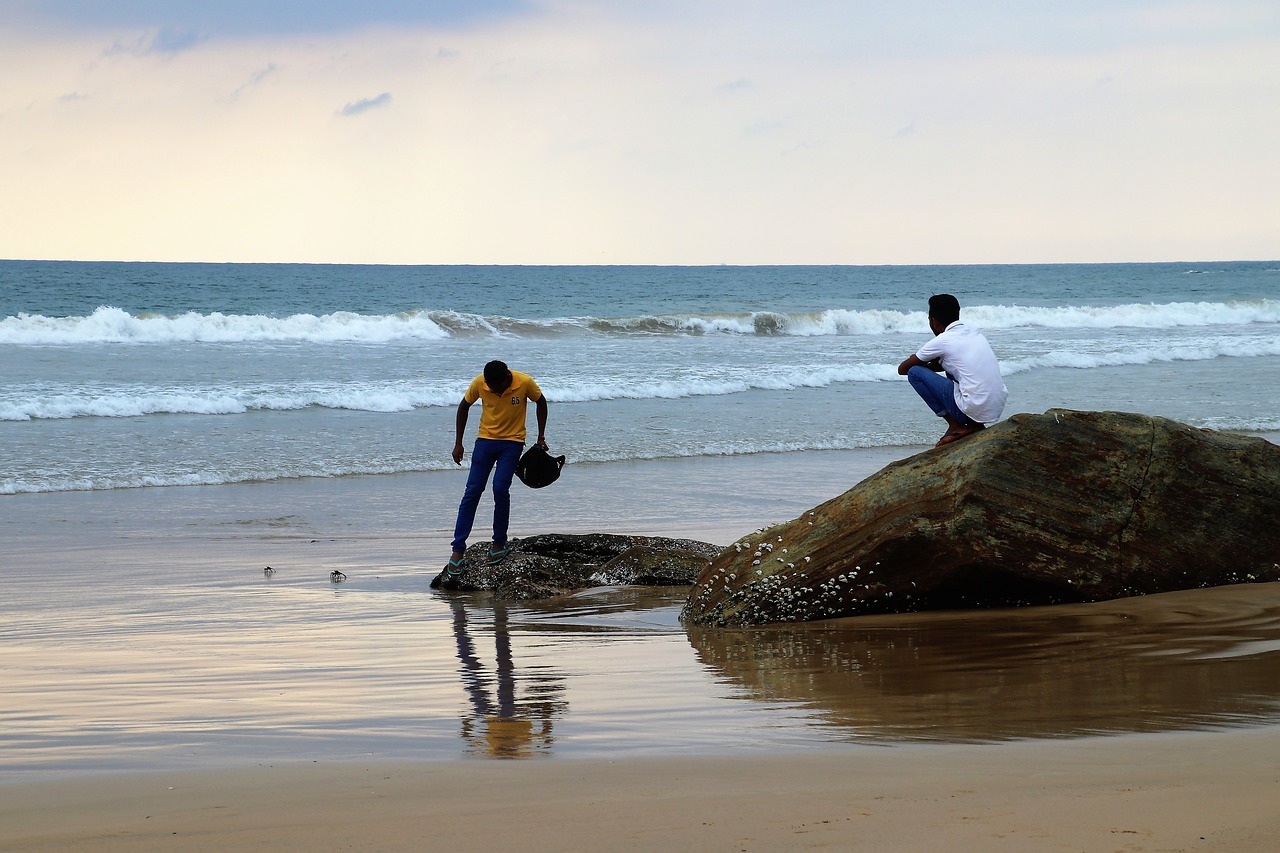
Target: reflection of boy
<point x="504" y="395"/>
<point x="499" y="725"/>
<point x="972" y="393"/>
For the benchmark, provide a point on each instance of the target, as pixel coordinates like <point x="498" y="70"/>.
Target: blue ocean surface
<point x="142" y="630"/>
<point x="123" y="375"/>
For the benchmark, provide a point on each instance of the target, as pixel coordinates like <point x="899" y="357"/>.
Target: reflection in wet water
<point x="504" y="723"/>
<point x="166" y="669"/>
<point x="1198" y="659"/>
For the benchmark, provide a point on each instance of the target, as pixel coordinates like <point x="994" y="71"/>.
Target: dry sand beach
<point x="164" y="693"/>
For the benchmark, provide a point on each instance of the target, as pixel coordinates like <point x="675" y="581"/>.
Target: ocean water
<point x="168" y="430"/>
<point x="125" y="375"/>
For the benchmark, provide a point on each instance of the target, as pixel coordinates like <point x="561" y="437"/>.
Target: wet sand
<point x="1191" y="792"/>
<point x="164" y="694"/>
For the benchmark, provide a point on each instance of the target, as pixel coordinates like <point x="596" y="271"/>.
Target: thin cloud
<point x="764" y="127"/>
<point x="256" y="79"/>
<point x="165" y="40"/>
<point x="239" y="18"/>
<point x="844" y="129"/>
<point x="735" y="85"/>
<point x="801" y="147"/>
<point x="363" y="105"/>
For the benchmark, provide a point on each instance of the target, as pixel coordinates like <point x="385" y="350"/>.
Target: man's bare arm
<point x="541" y="413"/>
<point x="914" y="360"/>
<point x="460" y="427"/>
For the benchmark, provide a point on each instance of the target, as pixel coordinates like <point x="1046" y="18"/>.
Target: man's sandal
<point x="496" y="556"/>
<point x="448" y="577"/>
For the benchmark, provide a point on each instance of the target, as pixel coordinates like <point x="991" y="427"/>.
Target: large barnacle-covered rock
<point x="1061" y="507"/>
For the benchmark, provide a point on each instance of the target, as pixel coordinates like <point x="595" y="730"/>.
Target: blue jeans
<point x="489" y="453"/>
<point x="939" y="393"/>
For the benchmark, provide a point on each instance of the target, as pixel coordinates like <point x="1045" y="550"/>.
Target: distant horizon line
<point x="677" y="265"/>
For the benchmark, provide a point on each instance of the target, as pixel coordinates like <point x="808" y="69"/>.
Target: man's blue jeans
<point x="939" y="393"/>
<point x="490" y="455"/>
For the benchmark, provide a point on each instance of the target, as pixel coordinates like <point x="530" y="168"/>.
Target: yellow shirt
<point x="503" y="417"/>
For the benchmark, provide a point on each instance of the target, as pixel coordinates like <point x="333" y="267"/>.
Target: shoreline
<point x="714" y="498"/>
<point x="1187" y="792"/>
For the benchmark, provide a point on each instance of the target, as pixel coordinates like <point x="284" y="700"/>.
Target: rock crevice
<point x="1142" y="488"/>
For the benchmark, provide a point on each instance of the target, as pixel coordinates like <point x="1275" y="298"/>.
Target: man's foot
<point x="449" y="575"/>
<point x="957" y="433"/>
<point x="497" y="555"/>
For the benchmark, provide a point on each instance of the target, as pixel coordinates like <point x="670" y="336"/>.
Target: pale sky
<point x="640" y="131"/>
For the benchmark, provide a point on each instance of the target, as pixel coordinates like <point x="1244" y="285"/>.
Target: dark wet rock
<point x="646" y="565"/>
<point x="553" y="564"/>
<point x="1040" y="509"/>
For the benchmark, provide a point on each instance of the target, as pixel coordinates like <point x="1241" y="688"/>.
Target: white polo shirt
<point x="968" y="360"/>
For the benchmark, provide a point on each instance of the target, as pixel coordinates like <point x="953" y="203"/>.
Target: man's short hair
<point x="944" y="308"/>
<point x="496" y="374"/>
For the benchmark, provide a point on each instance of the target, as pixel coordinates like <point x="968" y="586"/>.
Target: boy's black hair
<point x="944" y="308"/>
<point x="496" y="375"/>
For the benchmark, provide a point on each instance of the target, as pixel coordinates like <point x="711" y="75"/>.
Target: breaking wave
<point x="108" y="325"/>
<point x="19" y="403"/>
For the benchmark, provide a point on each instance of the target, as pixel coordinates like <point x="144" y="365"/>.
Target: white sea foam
<point x="1202" y="350"/>
<point x="20" y="403"/>
<point x="109" y="325"/>
<point x="1140" y="316"/>
<point x="679" y="388"/>
<point x="17" y="404"/>
<point x="267" y="470"/>
<point x="210" y="477"/>
<point x="1229" y="423"/>
<point x="129" y="403"/>
<point x="838" y="321"/>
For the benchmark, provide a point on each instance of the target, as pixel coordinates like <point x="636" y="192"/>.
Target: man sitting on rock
<point x="971" y="394"/>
